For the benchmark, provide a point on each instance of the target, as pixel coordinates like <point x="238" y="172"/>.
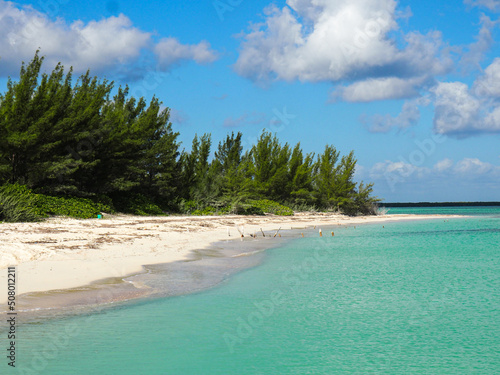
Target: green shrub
<point x="203" y="209"/>
<point x="17" y="204"/>
<point x="188" y="207"/>
<point x="79" y="208"/>
<point x="270" y="207"/>
<point x="263" y="206"/>
<point x="136" y="204"/>
<point x="247" y="209"/>
<point x="224" y="210"/>
<point x="207" y="211"/>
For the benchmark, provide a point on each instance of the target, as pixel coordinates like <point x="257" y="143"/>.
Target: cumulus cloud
<point x="490" y="4"/>
<point x="443" y="165"/>
<point x="322" y="40"/>
<point x="396" y="168"/>
<point x="488" y="84"/>
<point x="397" y="176"/>
<point x="484" y="40"/>
<point x="377" y="89"/>
<point x="171" y="52"/>
<point x="456" y="110"/>
<point x="100" y="45"/>
<point x="409" y="116"/>
<point x="467" y="167"/>
<point x="462" y="111"/>
<point x="474" y="166"/>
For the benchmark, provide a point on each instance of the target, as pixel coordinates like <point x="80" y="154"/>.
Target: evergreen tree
<point x="270" y="167"/>
<point x="301" y="177"/>
<point x="59" y="138"/>
<point x="325" y="170"/>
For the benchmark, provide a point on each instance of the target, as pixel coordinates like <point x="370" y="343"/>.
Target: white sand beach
<point x="63" y="253"/>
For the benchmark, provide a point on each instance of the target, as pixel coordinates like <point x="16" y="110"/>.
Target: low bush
<point x="17" y="204"/>
<point x="136" y="204"/>
<point x="270" y="207"/>
<point x="246" y="209"/>
<point x="188" y="207"/>
<point x="79" y="208"/>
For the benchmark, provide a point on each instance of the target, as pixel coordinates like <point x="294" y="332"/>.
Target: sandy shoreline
<point x="63" y="253"/>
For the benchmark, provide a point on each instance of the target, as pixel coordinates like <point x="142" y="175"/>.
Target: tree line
<point x="86" y="139"/>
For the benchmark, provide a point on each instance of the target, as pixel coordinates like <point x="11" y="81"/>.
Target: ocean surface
<point x="419" y="297"/>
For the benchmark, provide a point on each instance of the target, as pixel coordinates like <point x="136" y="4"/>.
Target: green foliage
<point x="207" y="211"/>
<point x="188" y="207"/>
<point x="75" y="142"/>
<point x="202" y="209"/>
<point x="246" y="209"/>
<point x="17" y="204"/>
<point x="271" y="207"/>
<point x="136" y="204"/>
<point x="80" y="208"/>
<point x="61" y="138"/>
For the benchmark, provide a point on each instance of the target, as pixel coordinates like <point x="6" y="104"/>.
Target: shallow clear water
<point x="393" y="298"/>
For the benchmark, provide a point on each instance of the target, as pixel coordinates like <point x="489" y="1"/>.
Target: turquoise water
<point x="393" y="298"/>
<point x="475" y="211"/>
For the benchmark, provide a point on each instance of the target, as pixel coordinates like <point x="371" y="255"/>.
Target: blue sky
<point x="412" y="87"/>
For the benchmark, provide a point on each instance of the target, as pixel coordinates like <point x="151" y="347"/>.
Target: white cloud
<point x="170" y="52"/>
<point x="402" y="169"/>
<point x="378" y="89"/>
<point x="462" y="111"/>
<point x="409" y="116"/>
<point x="484" y="40"/>
<point x="102" y="45"/>
<point x="322" y="40"/>
<point x="488" y="85"/>
<point x="469" y="166"/>
<point x="397" y="178"/>
<point x="443" y="165"/>
<point x="456" y="110"/>
<point x="463" y="168"/>
<point x="490" y="4"/>
<point x="97" y="44"/>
